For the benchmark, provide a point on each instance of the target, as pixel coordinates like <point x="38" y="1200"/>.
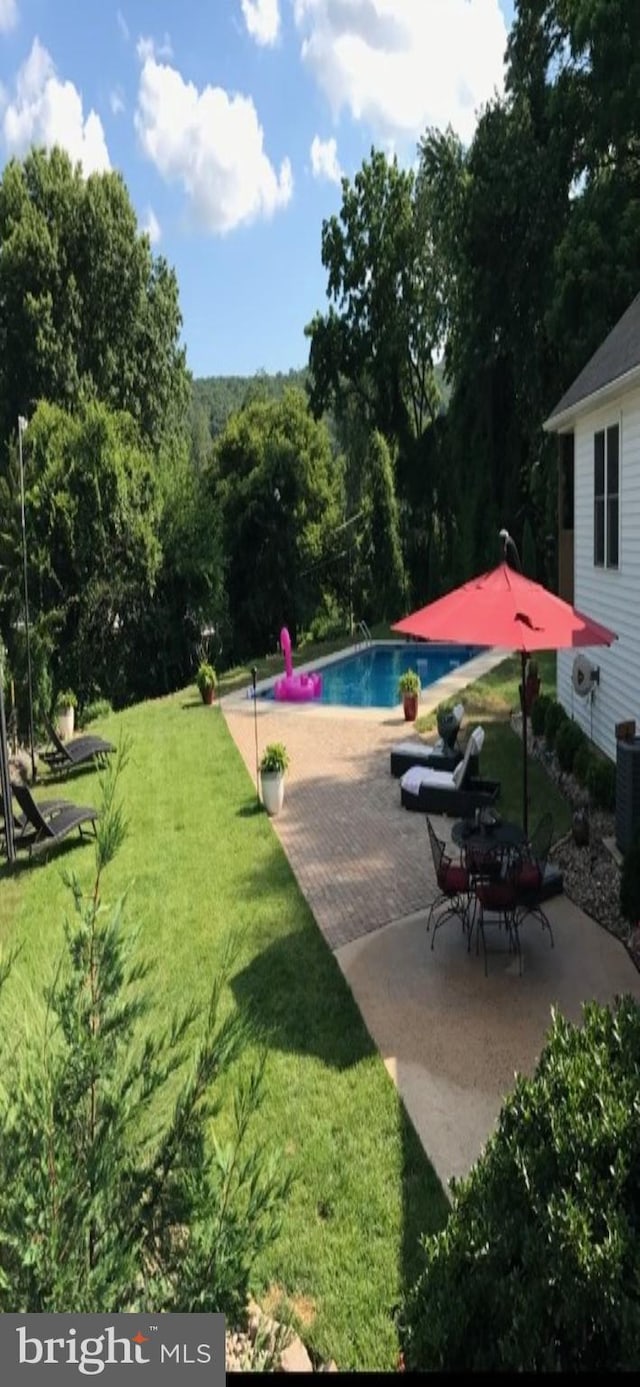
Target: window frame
<point x="604" y="497"/>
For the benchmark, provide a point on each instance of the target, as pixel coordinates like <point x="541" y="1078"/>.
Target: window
<point x="606" y="497"/>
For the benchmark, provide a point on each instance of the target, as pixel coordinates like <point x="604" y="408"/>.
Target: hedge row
<point x="574" y="751"/>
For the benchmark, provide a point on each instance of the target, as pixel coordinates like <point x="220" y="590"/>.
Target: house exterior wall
<point x="611" y="596"/>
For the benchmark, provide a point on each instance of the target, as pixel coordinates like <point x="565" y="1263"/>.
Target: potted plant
<point x="531" y="684"/>
<point x="409" y="690"/>
<point x="206" y="681"/>
<point x="66" y="704"/>
<point x="273" y="765"/>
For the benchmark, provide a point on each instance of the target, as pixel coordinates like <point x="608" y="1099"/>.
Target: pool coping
<point x="447" y="687"/>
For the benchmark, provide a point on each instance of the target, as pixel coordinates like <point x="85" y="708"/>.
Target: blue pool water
<point x="369" y="677"/>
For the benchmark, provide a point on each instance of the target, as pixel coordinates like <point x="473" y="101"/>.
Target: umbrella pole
<point x="525" y="758"/>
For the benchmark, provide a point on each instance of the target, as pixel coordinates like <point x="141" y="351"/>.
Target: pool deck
<point x="450" y="1038"/>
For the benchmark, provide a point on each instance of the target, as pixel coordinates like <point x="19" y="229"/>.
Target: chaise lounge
<point x="79" y="751"/>
<point x="40" y="827"/>
<point x="457" y="792"/>
<point x="442" y="756"/>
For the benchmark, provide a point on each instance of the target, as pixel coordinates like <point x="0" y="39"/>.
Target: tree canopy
<point x="86" y="310"/>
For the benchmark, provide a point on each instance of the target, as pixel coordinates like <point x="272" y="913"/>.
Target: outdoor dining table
<point x="477" y="839"/>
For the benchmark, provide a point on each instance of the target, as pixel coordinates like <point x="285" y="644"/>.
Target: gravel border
<point x="591" y="874"/>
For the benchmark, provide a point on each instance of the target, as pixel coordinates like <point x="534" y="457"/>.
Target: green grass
<point x="199" y="862"/>
<point x="490" y="701"/>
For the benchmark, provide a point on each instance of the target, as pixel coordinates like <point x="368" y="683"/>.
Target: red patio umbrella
<point x="503" y="608"/>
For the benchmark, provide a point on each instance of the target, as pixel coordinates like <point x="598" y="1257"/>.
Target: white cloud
<point x="324" y="159"/>
<point x="46" y="111"/>
<point x="400" y="65"/>
<point x="212" y="144"/>
<point x="8" y="15"/>
<point x="152" y="226"/>
<point x="122" y="25"/>
<point x="262" y="18"/>
<point x="116" y="101"/>
<point x="150" y="48"/>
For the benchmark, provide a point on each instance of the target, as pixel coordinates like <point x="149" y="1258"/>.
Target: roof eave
<point x="561" y="422"/>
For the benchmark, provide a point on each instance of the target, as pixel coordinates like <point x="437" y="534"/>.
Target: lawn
<point x="200" y="862"/>
<point x="490" y="701"/>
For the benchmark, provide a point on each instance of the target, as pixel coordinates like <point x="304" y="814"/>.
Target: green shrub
<point x="538" y="1266"/>
<point x="99" y="708"/>
<point x="601" y="782"/>
<point x="539" y="713"/>
<point x="66" y="699"/>
<point x="554" y="716"/>
<point x="630" y="883"/>
<point x="409" y="683"/>
<point x="116" y="1186"/>
<point x="206" y="677"/>
<point x="328" y="624"/>
<point x="582" y="761"/>
<point x="569" y="739"/>
<point x="275" y="759"/>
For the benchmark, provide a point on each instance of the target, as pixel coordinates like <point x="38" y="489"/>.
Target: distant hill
<point x="219" y="396"/>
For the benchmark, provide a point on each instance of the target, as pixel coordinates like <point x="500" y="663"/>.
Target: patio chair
<point x="457" y="792"/>
<point x="495" y="896"/>
<point x="42" y="831"/>
<point x="79" y="751"/>
<point x="22" y="829"/>
<point x="530" y="876"/>
<point x="453" y="882"/>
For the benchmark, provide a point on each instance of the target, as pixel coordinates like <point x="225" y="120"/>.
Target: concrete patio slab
<point x="451" y="1039"/>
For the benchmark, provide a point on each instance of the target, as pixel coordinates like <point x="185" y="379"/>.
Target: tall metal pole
<point x="525" y="751"/>
<point x="22" y="424"/>
<point x="254" y="675"/>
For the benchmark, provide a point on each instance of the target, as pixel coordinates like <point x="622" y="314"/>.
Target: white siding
<point x="611" y="596"/>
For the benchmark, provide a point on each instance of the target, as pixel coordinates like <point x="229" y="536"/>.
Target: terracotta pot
<point x="410" y="706"/>
<point x="208" y="695"/>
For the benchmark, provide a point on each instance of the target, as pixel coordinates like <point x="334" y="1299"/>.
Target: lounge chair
<point x="22" y="829"/>
<point x="431" y="791"/>
<point x="79" y="751"/>
<point x="42" y="830"/>
<point x="440" y="757"/>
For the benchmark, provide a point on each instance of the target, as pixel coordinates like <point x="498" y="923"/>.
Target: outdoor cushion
<point x="528" y="876"/>
<point x="454" y="878"/>
<point x="418" y="776"/>
<point x="459" y="773"/>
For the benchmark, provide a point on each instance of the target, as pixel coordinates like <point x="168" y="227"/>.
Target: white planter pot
<point x="272" y="791"/>
<point x="66" y="722"/>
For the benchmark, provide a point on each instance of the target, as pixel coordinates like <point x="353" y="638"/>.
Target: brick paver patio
<point x="360" y="859"/>
<point x="450" y="1037"/>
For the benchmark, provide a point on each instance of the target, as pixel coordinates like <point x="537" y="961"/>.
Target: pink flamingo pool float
<point x="295" y="688"/>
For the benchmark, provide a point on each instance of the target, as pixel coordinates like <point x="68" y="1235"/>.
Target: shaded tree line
<point x="463" y="297"/>
<point x="507" y="262"/>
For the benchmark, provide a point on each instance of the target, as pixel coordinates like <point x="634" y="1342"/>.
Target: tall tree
<point x="382" y="535"/>
<point x="280" y="489"/>
<point x="92" y="508"/>
<point x="86" y="310"/>
<point x="377" y="337"/>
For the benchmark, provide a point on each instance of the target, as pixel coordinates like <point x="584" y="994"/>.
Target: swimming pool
<point x="368" y="678"/>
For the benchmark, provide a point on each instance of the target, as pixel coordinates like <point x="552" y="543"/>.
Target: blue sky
<point x="232" y="120"/>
